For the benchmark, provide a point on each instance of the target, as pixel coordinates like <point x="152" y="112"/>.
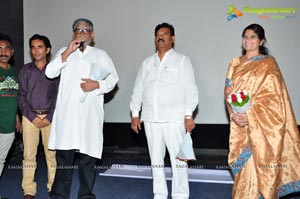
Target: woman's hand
<point x="240" y="119"/>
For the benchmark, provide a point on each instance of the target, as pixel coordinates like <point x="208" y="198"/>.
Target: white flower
<point x="245" y="92"/>
<point x="239" y="99"/>
<point x="229" y="100"/>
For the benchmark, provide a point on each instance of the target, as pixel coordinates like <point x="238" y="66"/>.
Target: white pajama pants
<point x="170" y="135"/>
<point x="6" y="140"/>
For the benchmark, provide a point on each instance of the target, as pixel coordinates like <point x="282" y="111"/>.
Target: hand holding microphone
<point x="73" y="45"/>
<point x="80" y="45"/>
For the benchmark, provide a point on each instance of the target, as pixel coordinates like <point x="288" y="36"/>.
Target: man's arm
<point x="54" y="67"/>
<point x="191" y="94"/>
<point x="73" y="45"/>
<point x="23" y="91"/>
<point x="136" y="100"/>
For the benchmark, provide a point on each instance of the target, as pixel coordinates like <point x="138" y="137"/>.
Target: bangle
<point x="188" y="117"/>
<point x="228" y="82"/>
<point x="231" y="116"/>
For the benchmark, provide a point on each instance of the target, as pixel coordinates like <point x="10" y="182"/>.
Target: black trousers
<point x="63" y="177"/>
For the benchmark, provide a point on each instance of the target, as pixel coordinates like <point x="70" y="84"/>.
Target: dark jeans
<point x="63" y="177"/>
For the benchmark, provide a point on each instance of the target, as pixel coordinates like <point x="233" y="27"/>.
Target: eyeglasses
<point x="84" y="31"/>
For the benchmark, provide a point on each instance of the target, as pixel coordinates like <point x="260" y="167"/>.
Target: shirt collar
<point x="167" y="54"/>
<point x="43" y="69"/>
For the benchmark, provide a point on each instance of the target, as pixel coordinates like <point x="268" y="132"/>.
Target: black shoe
<point x="28" y="196"/>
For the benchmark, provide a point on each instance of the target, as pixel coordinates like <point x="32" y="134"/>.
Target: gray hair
<point x="82" y="20"/>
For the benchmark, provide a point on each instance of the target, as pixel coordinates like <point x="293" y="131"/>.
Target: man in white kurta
<point x="165" y="92"/>
<point x="77" y="124"/>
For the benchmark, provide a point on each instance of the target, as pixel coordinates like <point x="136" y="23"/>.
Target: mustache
<point x="160" y="40"/>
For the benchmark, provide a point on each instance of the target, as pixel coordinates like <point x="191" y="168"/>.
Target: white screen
<point x="125" y="29"/>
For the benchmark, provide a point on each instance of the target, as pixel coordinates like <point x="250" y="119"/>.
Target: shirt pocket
<point x="171" y="75"/>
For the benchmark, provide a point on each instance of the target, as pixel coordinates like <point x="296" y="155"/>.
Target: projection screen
<point x="205" y="30"/>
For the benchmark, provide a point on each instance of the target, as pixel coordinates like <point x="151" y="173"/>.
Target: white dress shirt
<point x="164" y="90"/>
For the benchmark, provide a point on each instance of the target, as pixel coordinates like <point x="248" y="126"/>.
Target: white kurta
<point x="78" y="125"/>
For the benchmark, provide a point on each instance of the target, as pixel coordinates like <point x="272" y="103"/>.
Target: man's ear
<point x="173" y="39"/>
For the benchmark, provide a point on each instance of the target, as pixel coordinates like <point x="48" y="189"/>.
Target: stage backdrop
<point x="208" y="31"/>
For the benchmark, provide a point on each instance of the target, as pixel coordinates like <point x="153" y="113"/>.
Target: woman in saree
<point x="264" y="141"/>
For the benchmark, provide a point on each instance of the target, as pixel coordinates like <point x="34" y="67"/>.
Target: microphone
<point x="81" y="46"/>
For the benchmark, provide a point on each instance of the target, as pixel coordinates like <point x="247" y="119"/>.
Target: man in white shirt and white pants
<point x="166" y="92"/>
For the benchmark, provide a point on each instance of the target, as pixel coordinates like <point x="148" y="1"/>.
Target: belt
<point x="41" y="112"/>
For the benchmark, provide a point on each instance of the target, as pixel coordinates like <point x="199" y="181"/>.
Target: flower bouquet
<point x="186" y="151"/>
<point x="239" y="101"/>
